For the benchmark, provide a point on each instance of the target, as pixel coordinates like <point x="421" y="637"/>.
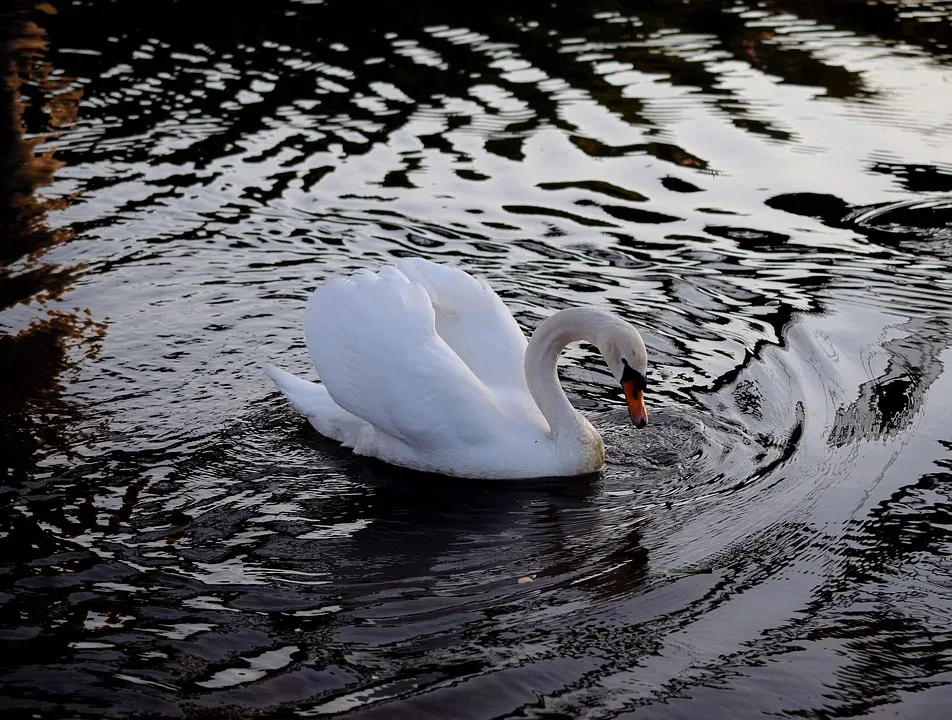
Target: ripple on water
<point x="176" y="542"/>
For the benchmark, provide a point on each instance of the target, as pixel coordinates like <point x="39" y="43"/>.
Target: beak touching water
<point x="636" y="403"/>
<point x="633" y="384"/>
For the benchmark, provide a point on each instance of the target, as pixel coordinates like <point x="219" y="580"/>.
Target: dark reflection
<point x="828" y="208"/>
<point x="917" y="178"/>
<point x="749" y="238"/>
<point x="920" y="23"/>
<point x="33" y="360"/>
<point x="678" y="185"/>
<point x="342" y="591"/>
<point x="41" y="345"/>
<point x="534" y="27"/>
<point x="921" y="226"/>
<point x="888" y="403"/>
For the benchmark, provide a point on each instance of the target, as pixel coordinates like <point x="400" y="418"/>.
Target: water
<point x="763" y="189"/>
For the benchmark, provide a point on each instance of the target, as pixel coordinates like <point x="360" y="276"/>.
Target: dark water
<point x="764" y="189"/>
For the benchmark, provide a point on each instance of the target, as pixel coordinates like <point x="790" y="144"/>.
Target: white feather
<point x="424" y="367"/>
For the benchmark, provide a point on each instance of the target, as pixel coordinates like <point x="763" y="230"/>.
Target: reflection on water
<point x="762" y="189"/>
<point x="39" y="341"/>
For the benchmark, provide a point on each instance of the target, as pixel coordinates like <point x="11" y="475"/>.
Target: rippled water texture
<point x="764" y="189"/>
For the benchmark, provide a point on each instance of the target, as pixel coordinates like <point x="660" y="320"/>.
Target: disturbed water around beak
<point x="764" y="190"/>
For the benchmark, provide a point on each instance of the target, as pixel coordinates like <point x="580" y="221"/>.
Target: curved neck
<point x="542" y="355"/>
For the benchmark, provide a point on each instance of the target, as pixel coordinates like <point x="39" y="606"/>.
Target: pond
<point x="763" y="189"/>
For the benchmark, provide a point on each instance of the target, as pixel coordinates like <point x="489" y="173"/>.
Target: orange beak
<point x="636" y="403"/>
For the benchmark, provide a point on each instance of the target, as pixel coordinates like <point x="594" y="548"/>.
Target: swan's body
<point x="424" y="367"/>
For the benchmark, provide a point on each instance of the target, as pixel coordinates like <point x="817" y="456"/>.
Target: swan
<point x="424" y="367"/>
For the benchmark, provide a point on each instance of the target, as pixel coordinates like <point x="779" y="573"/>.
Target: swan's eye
<point x="629" y="374"/>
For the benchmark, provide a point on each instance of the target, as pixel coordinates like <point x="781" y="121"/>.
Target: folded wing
<point x="473" y="320"/>
<point x="374" y="343"/>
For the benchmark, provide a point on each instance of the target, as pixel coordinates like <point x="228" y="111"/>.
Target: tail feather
<point x="304" y="396"/>
<point x="315" y="403"/>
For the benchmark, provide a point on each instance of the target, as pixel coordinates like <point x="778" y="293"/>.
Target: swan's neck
<point x="542" y="354"/>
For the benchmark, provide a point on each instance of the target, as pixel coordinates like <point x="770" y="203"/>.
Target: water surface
<point x="765" y="190"/>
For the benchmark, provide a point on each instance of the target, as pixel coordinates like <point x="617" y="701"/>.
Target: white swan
<point x="424" y="367"/>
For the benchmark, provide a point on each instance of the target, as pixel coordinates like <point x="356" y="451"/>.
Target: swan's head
<point x="628" y="360"/>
